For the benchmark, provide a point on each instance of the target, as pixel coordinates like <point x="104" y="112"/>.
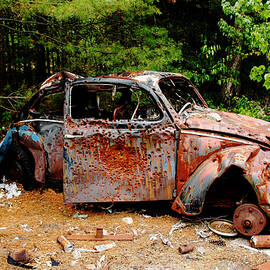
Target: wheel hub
<point x="247" y="224"/>
<point x="248" y="219"/>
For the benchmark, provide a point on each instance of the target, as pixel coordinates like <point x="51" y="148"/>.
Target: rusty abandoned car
<point x="141" y="136"/>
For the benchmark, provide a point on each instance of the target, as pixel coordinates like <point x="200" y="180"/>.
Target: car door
<point x="119" y="144"/>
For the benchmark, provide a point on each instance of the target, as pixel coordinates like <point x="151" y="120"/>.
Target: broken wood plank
<point x="117" y="237"/>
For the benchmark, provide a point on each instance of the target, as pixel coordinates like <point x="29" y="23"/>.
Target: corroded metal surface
<point x="260" y="241"/>
<point x="107" y="164"/>
<point x="229" y="123"/>
<point x="249" y="219"/>
<point x="249" y="158"/>
<point x="53" y="140"/>
<point x="183" y="249"/>
<point x="193" y="150"/>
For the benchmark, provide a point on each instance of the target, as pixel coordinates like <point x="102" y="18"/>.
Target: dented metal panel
<point x="249" y="158"/>
<point x="51" y="133"/>
<point x="228" y="123"/>
<point x="106" y="163"/>
<point x="194" y="148"/>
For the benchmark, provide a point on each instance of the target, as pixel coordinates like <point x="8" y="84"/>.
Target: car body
<point x="141" y="136"/>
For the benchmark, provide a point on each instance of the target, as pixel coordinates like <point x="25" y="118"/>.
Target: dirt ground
<point x="34" y="220"/>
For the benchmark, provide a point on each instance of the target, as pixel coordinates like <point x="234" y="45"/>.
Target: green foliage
<point x="91" y="9"/>
<point x="259" y="73"/>
<point x="244" y="36"/>
<point x="241" y="105"/>
<point x="102" y="36"/>
<point x="267" y="81"/>
<point x="12" y="102"/>
<point x="6" y="118"/>
<point x="247" y="25"/>
<point x="256" y="73"/>
<point x="86" y="10"/>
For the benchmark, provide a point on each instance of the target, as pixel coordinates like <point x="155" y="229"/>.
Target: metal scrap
<point x="222" y="227"/>
<point x="218" y="242"/>
<point x="107" y="246"/>
<point x="183" y="249"/>
<point x="177" y="226"/>
<point x="19" y="258"/>
<point x="164" y="239"/>
<point x="203" y="233"/>
<point x="66" y="245"/>
<point x="260" y="241"/>
<point x="80" y="216"/>
<point x="99" y="236"/>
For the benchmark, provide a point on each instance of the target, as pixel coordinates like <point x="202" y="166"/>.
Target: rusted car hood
<point x="230" y="123"/>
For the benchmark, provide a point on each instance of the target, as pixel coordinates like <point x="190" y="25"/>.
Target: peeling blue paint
<point x="69" y="162"/>
<point x="27" y="131"/>
<point x="5" y="144"/>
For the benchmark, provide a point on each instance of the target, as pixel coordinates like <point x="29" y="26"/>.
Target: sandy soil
<point x="34" y="220"/>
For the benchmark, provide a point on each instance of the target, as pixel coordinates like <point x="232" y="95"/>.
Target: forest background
<point x="222" y="46"/>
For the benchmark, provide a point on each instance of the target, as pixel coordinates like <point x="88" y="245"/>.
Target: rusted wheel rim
<point x="249" y="219"/>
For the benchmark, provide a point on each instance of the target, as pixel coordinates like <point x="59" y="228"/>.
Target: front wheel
<point x="20" y="167"/>
<point x="249" y="219"/>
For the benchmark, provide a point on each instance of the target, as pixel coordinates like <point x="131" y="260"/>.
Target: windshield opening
<point x="180" y="92"/>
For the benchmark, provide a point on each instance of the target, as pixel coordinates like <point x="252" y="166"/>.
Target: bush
<point x="241" y="105"/>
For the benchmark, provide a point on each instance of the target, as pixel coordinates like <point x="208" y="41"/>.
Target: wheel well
<point x="30" y="157"/>
<point x="230" y="190"/>
<point x="25" y="150"/>
<point x="21" y="153"/>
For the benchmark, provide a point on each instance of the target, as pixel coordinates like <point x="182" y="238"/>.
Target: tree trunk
<point x="228" y="89"/>
<point x="40" y="69"/>
<point x="48" y="61"/>
<point x="2" y="57"/>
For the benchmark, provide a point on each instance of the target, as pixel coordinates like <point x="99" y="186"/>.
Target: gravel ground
<point x="34" y="220"/>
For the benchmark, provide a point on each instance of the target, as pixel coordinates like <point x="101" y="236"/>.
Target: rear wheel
<point x="20" y="167"/>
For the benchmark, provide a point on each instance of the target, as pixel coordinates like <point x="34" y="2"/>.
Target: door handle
<point x="77" y="133"/>
<point x="70" y="136"/>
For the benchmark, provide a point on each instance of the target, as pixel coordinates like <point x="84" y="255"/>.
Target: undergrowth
<point x="242" y="105"/>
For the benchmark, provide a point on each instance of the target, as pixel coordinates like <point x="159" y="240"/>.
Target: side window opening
<point x="50" y="106"/>
<point x="146" y="108"/>
<point x="112" y="102"/>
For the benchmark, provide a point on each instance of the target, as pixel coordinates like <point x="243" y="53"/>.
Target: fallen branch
<point x="11" y="97"/>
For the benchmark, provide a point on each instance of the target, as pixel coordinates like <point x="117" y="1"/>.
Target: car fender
<point x="191" y="198"/>
<point x="26" y="136"/>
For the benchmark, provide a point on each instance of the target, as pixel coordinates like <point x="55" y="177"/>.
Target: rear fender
<point x="191" y="198"/>
<point x="30" y="139"/>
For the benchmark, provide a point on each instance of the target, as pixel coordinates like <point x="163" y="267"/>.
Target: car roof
<point x="144" y="76"/>
<point x="54" y="82"/>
